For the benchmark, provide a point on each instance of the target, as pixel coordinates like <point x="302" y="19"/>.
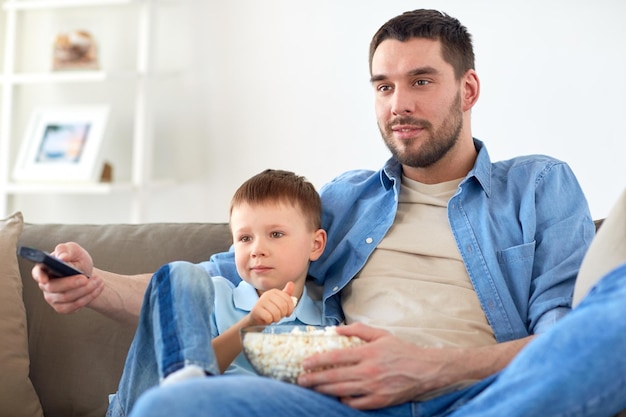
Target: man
<point x="463" y="261"/>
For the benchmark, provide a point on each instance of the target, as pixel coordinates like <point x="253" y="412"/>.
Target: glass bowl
<point x="277" y="351"/>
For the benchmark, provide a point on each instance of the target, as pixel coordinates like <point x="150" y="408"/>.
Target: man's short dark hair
<point x="456" y="42"/>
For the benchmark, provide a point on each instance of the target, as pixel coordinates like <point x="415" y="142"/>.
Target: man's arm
<point x="389" y="371"/>
<point x="116" y="296"/>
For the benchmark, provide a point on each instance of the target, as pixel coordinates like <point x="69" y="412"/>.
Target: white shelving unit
<point x="12" y="79"/>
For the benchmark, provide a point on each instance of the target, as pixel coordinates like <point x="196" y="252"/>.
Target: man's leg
<point x="247" y="396"/>
<point x="173" y="331"/>
<point x="577" y="368"/>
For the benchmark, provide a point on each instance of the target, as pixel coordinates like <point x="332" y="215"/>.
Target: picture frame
<point x="62" y="144"/>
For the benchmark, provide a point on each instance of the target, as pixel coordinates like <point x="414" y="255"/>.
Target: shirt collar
<point x="482" y="168"/>
<point x="391" y="173"/>
<point x="307" y="311"/>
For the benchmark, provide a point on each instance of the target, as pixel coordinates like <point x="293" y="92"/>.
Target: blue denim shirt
<point x="522" y="227"/>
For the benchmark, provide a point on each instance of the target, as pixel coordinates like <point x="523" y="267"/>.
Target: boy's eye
<point x="244" y="239"/>
<point x="277" y="234"/>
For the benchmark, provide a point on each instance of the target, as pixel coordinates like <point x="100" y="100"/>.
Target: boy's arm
<point x="272" y="306"/>
<point x="228" y="344"/>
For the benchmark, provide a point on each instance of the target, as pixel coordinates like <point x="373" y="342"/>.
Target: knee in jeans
<point x="185" y="275"/>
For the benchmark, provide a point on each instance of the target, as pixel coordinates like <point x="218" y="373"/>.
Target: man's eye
<point x="383" y="88"/>
<point x="422" y="82"/>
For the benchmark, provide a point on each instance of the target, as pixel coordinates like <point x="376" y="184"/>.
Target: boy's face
<point x="273" y="245"/>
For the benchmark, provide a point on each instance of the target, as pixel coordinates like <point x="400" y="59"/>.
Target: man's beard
<point x="438" y="143"/>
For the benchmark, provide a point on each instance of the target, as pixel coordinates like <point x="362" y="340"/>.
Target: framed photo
<point x="62" y="144"/>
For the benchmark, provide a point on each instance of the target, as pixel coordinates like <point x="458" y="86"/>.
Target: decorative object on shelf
<point x="106" y="175"/>
<point x="75" y="50"/>
<point x="62" y="144"/>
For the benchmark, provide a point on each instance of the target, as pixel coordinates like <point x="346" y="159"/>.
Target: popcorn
<point x="280" y="355"/>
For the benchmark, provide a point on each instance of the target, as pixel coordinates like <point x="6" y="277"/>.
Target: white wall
<point x="284" y="84"/>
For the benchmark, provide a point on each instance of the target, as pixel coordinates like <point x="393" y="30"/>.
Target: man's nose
<point x="402" y="102"/>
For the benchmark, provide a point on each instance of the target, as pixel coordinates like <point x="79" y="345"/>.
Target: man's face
<point x="417" y="100"/>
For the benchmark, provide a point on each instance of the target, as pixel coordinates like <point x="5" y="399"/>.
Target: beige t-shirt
<point x="415" y="283"/>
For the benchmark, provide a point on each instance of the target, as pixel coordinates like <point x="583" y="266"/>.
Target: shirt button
<point x="369" y="240"/>
<point x="335" y="289"/>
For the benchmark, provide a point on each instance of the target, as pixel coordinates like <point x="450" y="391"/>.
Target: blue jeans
<point x="174" y="331"/>
<point x="577" y="368"/>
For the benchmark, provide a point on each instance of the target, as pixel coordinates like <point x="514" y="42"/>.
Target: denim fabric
<point x="577" y="368"/>
<point x="277" y="399"/>
<point x="168" y="337"/>
<point x="522" y="227"/>
<point x="183" y="310"/>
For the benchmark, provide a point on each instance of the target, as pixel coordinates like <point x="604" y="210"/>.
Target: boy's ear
<point x="319" y="243"/>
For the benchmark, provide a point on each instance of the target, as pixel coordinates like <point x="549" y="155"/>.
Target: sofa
<point x="66" y="365"/>
<point x="57" y="365"/>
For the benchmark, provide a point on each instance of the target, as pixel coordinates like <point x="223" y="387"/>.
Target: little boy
<point x="275" y="220"/>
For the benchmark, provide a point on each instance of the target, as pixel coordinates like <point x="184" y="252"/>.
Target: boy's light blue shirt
<point x="522" y="227"/>
<point x="232" y="303"/>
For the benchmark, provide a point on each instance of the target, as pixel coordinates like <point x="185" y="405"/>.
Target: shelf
<point x="67" y="188"/>
<point x="24" y="188"/>
<point x="140" y="182"/>
<point x="59" y="4"/>
<point x="77" y="76"/>
<point x="66" y="77"/>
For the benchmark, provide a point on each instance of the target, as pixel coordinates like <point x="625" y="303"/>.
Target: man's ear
<point x="470" y="89"/>
<point x="319" y="243"/>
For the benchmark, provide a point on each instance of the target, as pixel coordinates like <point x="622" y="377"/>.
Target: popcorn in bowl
<point x="278" y="351"/>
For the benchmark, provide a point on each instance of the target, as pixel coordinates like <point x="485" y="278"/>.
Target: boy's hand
<point x="273" y="305"/>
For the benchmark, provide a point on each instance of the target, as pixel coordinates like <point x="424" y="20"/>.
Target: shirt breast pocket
<point x="516" y="262"/>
